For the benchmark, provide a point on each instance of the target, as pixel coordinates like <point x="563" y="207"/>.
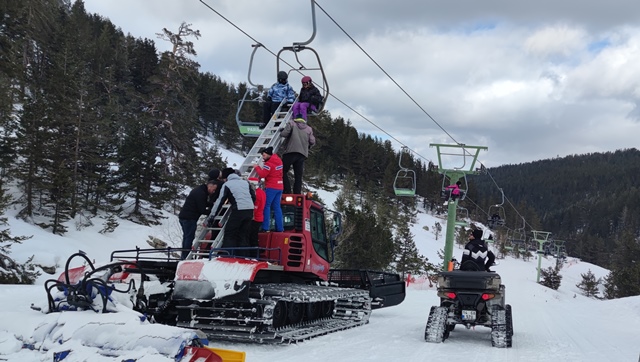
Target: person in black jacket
<point x="214" y="175"/>
<point x="195" y="205"/>
<point x="475" y="253"/>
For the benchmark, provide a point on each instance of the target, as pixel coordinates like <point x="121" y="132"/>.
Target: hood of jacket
<point x="233" y="176"/>
<point x="300" y="123"/>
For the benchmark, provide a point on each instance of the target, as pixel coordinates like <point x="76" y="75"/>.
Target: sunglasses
<point x="306" y="83"/>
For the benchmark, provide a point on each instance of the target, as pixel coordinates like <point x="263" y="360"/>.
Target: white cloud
<point x="491" y="73"/>
<point x="556" y="40"/>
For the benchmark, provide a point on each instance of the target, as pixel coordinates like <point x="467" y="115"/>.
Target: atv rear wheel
<point x="509" y="319"/>
<point x="437" y="329"/>
<point x="501" y="327"/>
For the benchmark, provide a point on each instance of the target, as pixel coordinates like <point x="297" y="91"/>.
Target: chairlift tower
<point x="455" y="161"/>
<point x="541" y="237"/>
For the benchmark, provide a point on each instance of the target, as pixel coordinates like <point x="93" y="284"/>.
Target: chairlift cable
<point x="409" y="96"/>
<point x="385" y="72"/>
<point x="358" y="113"/>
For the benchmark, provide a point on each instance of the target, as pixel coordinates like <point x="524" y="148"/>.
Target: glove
<point x="209" y="222"/>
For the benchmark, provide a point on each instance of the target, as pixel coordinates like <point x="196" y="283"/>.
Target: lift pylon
<point x="455" y="161"/>
<point x="541" y="237"/>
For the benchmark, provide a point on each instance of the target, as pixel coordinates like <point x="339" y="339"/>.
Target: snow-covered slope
<point x="549" y="325"/>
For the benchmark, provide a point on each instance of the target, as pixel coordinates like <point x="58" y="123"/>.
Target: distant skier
<point x="475" y="253"/>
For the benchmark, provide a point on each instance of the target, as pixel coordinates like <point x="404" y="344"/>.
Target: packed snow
<point x="548" y="325"/>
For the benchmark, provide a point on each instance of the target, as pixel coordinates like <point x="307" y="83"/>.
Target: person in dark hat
<point x="271" y="172"/>
<point x="475" y="254"/>
<point x="279" y="91"/>
<point x="195" y="205"/>
<point x="214" y="175"/>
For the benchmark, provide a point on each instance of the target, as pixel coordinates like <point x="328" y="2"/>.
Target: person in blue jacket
<point x="278" y="91"/>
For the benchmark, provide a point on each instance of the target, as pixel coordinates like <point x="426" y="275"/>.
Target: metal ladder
<point x="212" y="237"/>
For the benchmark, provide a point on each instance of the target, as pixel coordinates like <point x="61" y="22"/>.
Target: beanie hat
<point x="254" y="180"/>
<point x="267" y="150"/>
<point x="227" y="171"/>
<point x="306" y="79"/>
<point x="477" y="234"/>
<point x="214" y="174"/>
<point x="282" y="75"/>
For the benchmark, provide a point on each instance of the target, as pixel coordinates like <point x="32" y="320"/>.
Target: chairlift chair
<point x="446" y="193"/>
<point x="496" y="214"/>
<point x="252" y="97"/>
<point x="508" y="244"/>
<point x="297" y="48"/>
<point x="404" y="183"/>
<point x="463" y="214"/>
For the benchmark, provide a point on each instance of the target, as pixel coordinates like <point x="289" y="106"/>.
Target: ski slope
<point x="548" y="325"/>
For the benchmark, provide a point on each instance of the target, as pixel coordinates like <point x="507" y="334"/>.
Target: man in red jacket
<point x="271" y="172"/>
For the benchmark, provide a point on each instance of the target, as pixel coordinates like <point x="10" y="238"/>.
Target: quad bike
<point x="470" y="298"/>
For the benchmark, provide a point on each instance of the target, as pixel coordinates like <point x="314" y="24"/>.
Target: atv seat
<point x="459" y="279"/>
<point x="470" y="265"/>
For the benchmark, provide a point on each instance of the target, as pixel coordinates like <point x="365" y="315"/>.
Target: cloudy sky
<point x="529" y="80"/>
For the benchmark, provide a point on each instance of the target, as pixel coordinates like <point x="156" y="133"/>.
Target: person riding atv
<point x="475" y="253"/>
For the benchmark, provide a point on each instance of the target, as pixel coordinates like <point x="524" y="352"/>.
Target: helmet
<point x="282" y="75"/>
<point x="306" y="79"/>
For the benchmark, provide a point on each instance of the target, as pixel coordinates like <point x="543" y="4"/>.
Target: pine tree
<point x="550" y="278"/>
<point x="408" y="260"/>
<point x="610" y="289"/>
<point x="437" y="230"/>
<point x="174" y="107"/>
<point x="589" y="284"/>
<point x="12" y="272"/>
<point x="367" y="244"/>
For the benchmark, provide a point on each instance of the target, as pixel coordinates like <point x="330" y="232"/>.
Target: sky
<point x="548" y="325"/>
<point x="529" y="80"/>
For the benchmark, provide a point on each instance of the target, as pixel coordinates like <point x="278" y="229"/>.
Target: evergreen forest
<point x="97" y="122"/>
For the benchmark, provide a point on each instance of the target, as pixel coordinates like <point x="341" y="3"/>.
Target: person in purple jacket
<point x="309" y="99"/>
